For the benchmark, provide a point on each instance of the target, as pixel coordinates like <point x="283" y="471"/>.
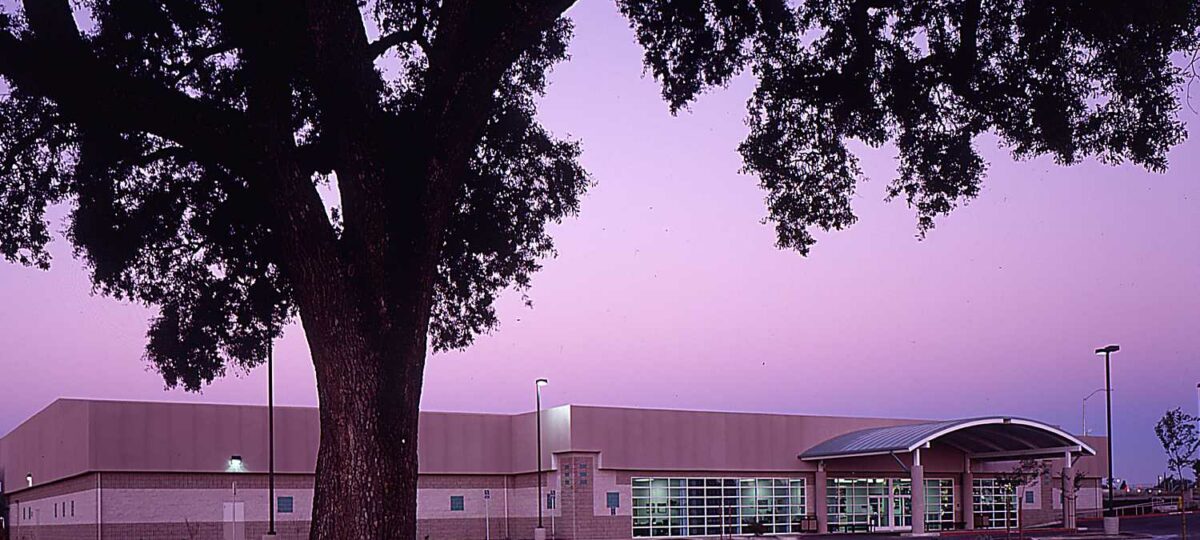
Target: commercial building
<point x="113" y="469"/>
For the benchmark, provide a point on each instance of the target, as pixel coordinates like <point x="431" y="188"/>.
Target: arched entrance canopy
<point x="990" y="438"/>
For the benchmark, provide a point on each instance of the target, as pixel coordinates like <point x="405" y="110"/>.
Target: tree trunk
<point x="366" y="480"/>
<point x="369" y="356"/>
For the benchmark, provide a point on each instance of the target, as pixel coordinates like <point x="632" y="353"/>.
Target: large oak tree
<point x="191" y="140"/>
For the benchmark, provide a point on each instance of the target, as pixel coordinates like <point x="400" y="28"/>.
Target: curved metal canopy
<point x="982" y="438"/>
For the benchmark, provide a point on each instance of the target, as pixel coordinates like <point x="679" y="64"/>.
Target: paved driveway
<point x="1159" y="527"/>
<point x="1154" y="527"/>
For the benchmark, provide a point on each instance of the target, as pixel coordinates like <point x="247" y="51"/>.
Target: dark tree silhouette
<point x="192" y="141"/>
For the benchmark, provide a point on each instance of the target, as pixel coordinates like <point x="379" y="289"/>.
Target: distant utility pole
<point x="1083" y="409"/>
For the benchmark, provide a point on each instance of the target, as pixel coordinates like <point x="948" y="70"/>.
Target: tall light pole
<point x="271" y="434"/>
<point x="540" y="533"/>
<point x="1112" y="509"/>
<point x="1083" y="414"/>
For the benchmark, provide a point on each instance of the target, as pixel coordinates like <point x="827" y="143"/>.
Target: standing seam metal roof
<point x="999" y="433"/>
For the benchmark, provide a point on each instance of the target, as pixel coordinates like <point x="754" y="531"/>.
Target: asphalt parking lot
<point x="1160" y="527"/>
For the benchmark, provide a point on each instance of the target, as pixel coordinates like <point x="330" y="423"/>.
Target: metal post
<point x="539" y="452"/>
<point x="540" y="502"/>
<point x="271" y="431"/>
<point x="1182" y="520"/>
<point x="1112" y="509"/>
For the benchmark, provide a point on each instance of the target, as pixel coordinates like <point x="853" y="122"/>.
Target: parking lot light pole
<point x="271" y="436"/>
<point x="540" y="532"/>
<point x="1111" y="517"/>
<point x="1083" y="409"/>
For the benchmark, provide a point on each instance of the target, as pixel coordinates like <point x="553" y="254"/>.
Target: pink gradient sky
<point x="668" y="291"/>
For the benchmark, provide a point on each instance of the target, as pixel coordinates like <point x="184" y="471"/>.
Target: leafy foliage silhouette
<point x="194" y="142"/>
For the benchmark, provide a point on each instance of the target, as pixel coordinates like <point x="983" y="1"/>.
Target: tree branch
<point x="967" y="53"/>
<point x="199" y="56"/>
<point x="310" y="256"/>
<point x="316" y="156"/>
<point x="166" y="152"/>
<point x="55" y="62"/>
<point x="338" y="61"/>
<point x="477" y="42"/>
<point x="384" y="43"/>
<point x="23" y="145"/>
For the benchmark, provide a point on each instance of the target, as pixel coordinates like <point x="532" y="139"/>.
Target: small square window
<point x="1029" y="497"/>
<point x="285" y="505"/>
<point x="614" y="499"/>
<point x="457" y="504"/>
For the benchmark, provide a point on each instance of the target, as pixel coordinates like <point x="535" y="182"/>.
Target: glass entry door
<point x="902" y="511"/>
<point x="877" y="512"/>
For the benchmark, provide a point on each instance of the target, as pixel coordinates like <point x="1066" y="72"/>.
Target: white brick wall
<point x="43" y="510"/>
<point x="197" y="505"/>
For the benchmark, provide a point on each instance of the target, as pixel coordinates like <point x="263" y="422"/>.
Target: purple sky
<point x="669" y="292"/>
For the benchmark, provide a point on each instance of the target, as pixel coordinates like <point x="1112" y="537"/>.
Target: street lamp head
<point x="541" y="382"/>
<point x="1108" y="349"/>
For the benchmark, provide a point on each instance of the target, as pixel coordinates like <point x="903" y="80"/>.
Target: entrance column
<point x="820" y="506"/>
<point x="917" y="474"/>
<point x="967" y="495"/>
<point x="1068" y="492"/>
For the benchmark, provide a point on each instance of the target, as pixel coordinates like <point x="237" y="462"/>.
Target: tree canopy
<point x="144" y="124"/>
<point x="1067" y="78"/>
<point x="193" y="141"/>
<point x="143" y="127"/>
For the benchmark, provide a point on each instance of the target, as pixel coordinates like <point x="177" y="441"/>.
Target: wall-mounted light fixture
<point x="235" y="464"/>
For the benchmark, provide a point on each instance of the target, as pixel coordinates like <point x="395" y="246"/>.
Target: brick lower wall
<point x="601" y="528"/>
<point x="188" y="506"/>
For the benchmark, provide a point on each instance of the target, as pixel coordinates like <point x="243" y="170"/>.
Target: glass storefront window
<point x="715" y="506"/>
<point x="994" y="507"/>
<point x="882" y="502"/>
<point x="939" y="504"/>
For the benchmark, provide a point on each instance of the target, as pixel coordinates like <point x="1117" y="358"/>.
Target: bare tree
<point x="1022" y="474"/>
